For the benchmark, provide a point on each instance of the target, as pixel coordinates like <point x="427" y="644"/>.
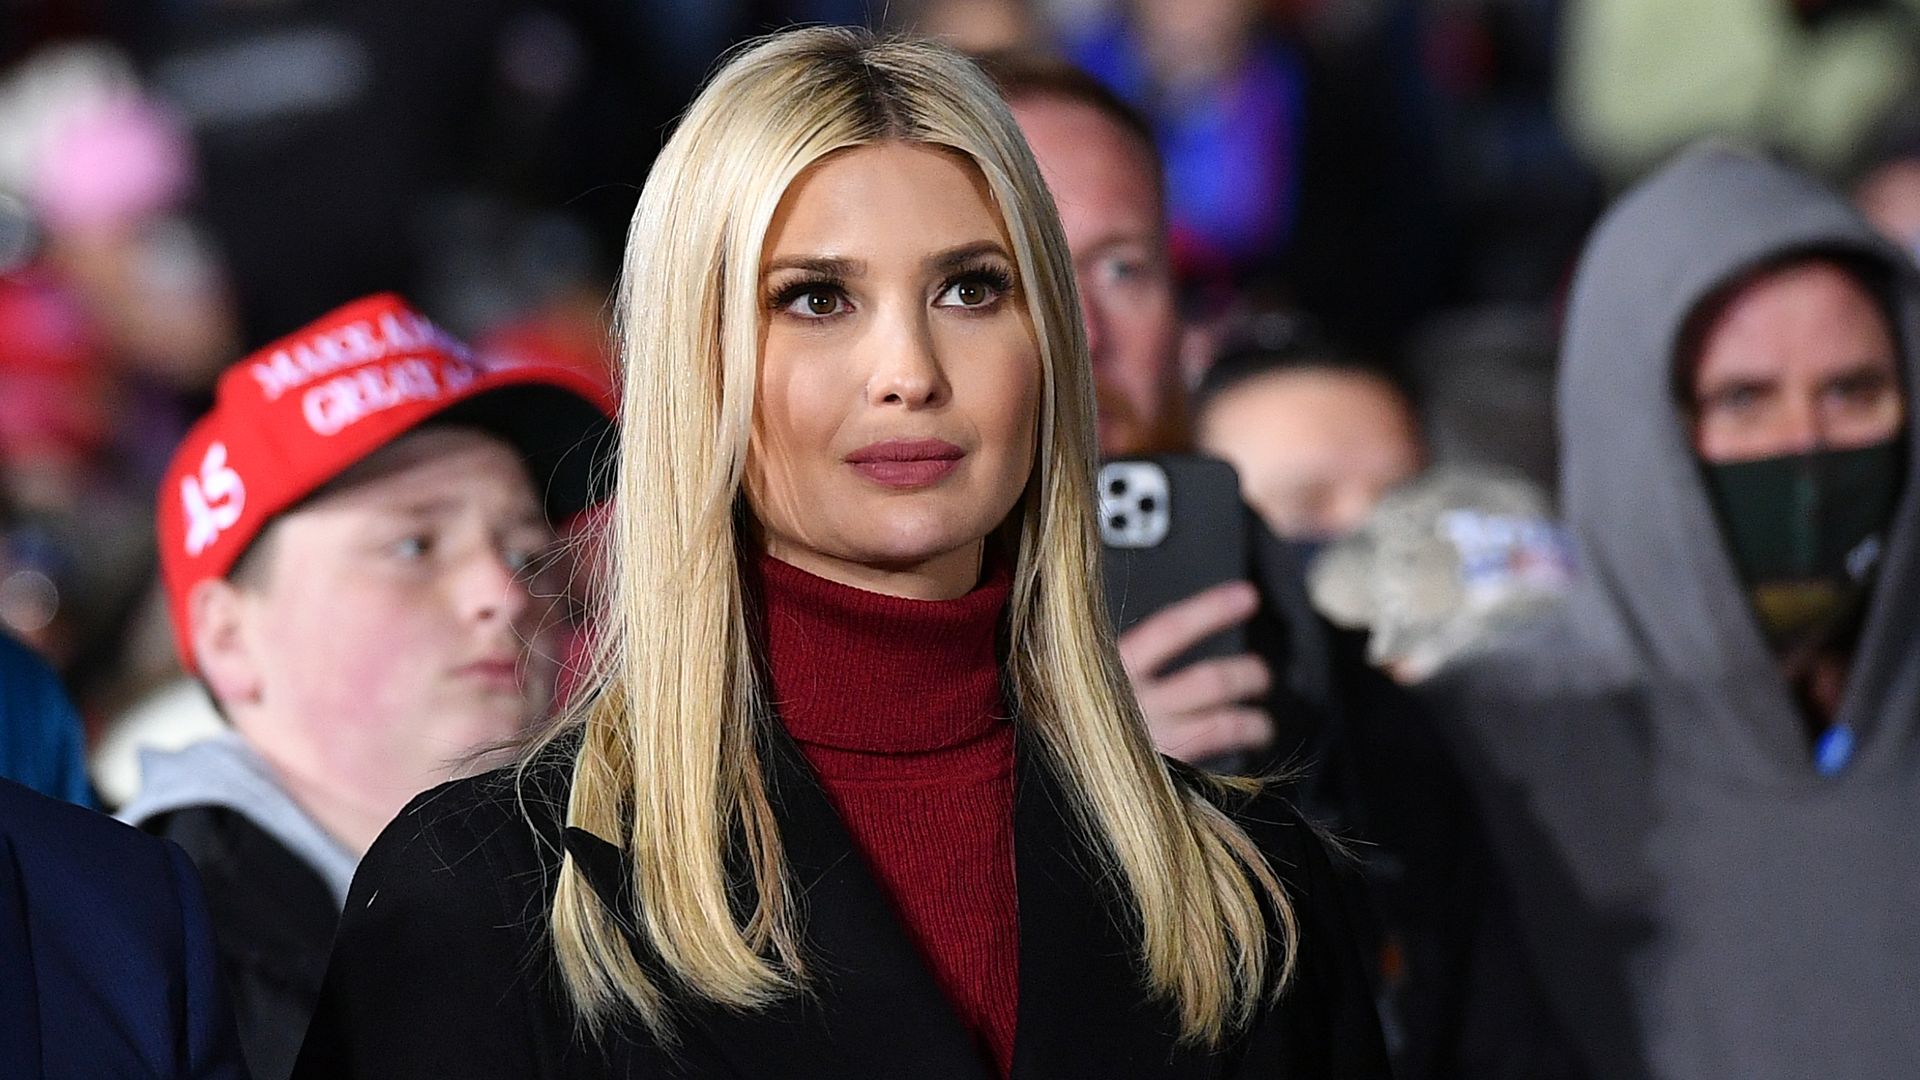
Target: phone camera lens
<point x="1147" y="504"/>
<point x="1117" y="522"/>
<point x="1116" y="487"/>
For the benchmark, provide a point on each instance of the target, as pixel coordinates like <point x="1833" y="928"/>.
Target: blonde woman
<point x="861" y="790"/>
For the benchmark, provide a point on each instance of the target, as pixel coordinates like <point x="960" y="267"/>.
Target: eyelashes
<point x="781" y="296"/>
<point x="990" y="274"/>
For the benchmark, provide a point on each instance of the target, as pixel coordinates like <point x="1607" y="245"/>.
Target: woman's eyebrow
<point x="956" y="257"/>
<point x="841" y="266"/>
<point x="825" y="265"/>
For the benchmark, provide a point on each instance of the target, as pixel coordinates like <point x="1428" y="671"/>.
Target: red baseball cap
<point x="301" y="411"/>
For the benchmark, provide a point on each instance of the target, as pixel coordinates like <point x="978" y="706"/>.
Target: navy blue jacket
<point x="106" y="955"/>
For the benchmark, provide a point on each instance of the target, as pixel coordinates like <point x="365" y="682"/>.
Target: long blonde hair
<point x="667" y="765"/>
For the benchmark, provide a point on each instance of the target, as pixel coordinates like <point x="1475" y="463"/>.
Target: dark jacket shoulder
<point x="106" y="933"/>
<point x="441" y="965"/>
<point x="273" y="924"/>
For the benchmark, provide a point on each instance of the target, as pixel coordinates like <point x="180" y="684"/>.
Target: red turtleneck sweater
<point x="897" y="705"/>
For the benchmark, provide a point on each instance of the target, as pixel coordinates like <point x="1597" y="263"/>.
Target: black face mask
<point x="1806" y="533"/>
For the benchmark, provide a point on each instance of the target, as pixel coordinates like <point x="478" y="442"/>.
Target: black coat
<point x="273" y="923"/>
<point x="442" y="966"/>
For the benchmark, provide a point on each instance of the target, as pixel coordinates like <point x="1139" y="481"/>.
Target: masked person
<point x="348" y="542"/>
<point x="1700" y="767"/>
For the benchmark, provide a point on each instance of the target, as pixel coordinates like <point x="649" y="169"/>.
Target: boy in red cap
<point x="347" y="542"/>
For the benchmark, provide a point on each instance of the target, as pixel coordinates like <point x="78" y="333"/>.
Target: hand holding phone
<point x="1202" y="711"/>
<point x="1177" y="558"/>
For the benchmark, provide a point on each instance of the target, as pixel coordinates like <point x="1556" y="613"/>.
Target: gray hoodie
<point x="225" y="771"/>
<point x="1701" y="902"/>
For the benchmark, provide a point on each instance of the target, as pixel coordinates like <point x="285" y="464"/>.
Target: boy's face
<point x="392" y="627"/>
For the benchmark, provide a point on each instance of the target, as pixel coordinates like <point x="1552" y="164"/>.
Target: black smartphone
<point x="1172" y="526"/>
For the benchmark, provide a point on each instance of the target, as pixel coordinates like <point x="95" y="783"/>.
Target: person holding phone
<point x="1456" y="994"/>
<point x="858" y="787"/>
<point x="1099" y="160"/>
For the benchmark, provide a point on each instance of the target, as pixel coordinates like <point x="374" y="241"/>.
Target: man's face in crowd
<point x="386" y="628"/>
<point x="1315" y="449"/>
<point x="1106" y="186"/>
<point x="1800" y="358"/>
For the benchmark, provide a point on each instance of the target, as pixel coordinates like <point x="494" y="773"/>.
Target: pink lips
<point x="906" y="463"/>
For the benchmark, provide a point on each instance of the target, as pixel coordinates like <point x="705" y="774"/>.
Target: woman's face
<point x="899" y="373"/>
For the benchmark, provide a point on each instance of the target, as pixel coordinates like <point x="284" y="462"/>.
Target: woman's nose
<point x="906" y="364"/>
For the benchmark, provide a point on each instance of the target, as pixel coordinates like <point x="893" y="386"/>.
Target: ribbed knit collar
<point x="872" y="674"/>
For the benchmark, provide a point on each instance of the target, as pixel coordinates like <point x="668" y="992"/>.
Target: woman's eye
<point x="814" y="304"/>
<point x="411" y="547"/>
<point x="972" y="292"/>
<point x="967" y="294"/>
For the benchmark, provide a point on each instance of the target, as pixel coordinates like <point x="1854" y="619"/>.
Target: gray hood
<point x="1701" y="902"/>
<point x="224" y="771"/>
<point x="1632" y="490"/>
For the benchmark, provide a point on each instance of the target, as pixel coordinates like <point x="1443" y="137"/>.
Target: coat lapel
<point x="872" y="1008"/>
<point x="1084" y="1007"/>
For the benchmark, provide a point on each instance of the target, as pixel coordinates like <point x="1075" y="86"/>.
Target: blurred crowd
<point x="1374" y="216"/>
<point x="1393" y="191"/>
